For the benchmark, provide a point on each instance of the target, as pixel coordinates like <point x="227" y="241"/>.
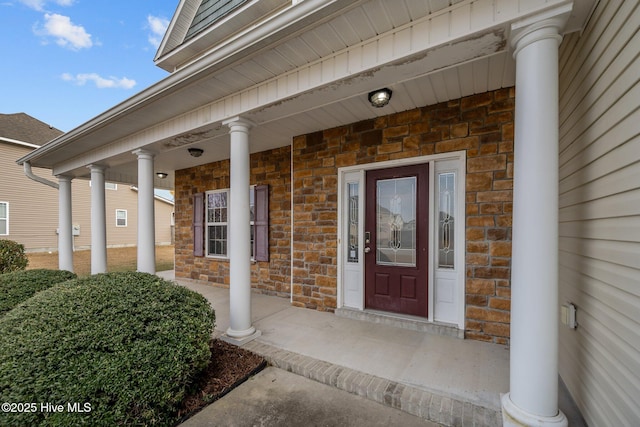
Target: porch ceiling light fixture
<point x="162" y="175"/>
<point x="195" y="152"/>
<point x="379" y="98"/>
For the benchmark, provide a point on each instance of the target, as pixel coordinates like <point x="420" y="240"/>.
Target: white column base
<point x="514" y="416"/>
<point x="240" y="338"/>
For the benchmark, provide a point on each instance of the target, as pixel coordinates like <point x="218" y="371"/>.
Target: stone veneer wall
<point x="483" y="126"/>
<point x="480" y="124"/>
<point x="271" y="167"/>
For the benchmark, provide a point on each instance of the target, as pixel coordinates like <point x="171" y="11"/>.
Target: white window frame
<point x="207" y="224"/>
<point x="125" y="217"/>
<point x="6" y="218"/>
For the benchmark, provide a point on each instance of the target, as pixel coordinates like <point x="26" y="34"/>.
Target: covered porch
<point x="257" y="91"/>
<point x="438" y="378"/>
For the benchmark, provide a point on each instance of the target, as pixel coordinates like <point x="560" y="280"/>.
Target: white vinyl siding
<point x="600" y="214"/>
<point x="4" y="219"/>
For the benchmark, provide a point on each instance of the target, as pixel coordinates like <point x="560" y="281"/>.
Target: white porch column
<point x="533" y="396"/>
<point x="98" y="221"/>
<point x="65" y="226"/>
<point x="146" y="213"/>
<point x="240" y="329"/>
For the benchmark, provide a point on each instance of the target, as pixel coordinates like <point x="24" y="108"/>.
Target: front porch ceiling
<point x="187" y="109"/>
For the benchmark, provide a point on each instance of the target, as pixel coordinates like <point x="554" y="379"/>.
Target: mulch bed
<point x="230" y="366"/>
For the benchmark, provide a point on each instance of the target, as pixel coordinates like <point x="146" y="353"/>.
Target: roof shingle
<point x="22" y="127"/>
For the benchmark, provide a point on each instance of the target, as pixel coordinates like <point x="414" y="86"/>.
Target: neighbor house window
<point x="4" y="218"/>
<point x="108" y="185"/>
<point x="121" y="218"/>
<point x="211" y="223"/>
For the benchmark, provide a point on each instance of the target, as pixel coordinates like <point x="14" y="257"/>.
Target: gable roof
<point x="21" y="127"/>
<point x="198" y="26"/>
<point x="208" y="12"/>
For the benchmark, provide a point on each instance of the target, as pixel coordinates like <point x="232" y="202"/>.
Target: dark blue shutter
<point x="261" y="223"/>
<point x="198" y="224"/>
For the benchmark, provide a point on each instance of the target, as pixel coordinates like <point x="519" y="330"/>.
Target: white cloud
<point x="158" y="27"/>
<point x="100" y="82"/>
<point x="66" y="33"/>
<point x="40" y="4"/>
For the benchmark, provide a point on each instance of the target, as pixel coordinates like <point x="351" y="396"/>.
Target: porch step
<point x="429" y="405"/>
<point x="412" y="324"/>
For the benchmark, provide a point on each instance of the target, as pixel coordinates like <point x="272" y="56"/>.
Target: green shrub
<point x="12" y="256"/>
<point x="19" y="286"/>
<point x="128" y="344"/>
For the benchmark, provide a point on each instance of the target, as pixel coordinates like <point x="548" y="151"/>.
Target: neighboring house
<point x="29" y="209"/>
<point x="497" y="188"/>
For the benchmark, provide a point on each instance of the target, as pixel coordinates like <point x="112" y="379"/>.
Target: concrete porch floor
<point x="443" y="379"/>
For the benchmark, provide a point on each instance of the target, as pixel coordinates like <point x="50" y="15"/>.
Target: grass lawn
<point x="118" y="259"/>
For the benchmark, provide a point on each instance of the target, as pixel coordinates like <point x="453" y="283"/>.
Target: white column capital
<point x="238" y="124"/>
<point x="64" y="178"/>
<point x="96" y="168"/>
<point x="546" y="25"/>
<point x="144" y="154"/>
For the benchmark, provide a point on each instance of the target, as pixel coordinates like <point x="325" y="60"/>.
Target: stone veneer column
<point x="533" y="396"/>
<point x="65" y="226"/>
<point x="240" y="328"/>
<point x="146" y="213"/>
<point x="98" y="221"/>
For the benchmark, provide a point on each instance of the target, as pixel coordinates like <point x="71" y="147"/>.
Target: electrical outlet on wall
<point x="568" y="315"/>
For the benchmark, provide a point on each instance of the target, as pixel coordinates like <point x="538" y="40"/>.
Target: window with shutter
<point x="216" y="234"/>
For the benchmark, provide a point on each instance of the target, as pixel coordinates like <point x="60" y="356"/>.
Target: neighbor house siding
<point x="33" y="207"/>
<point x="600" y="214"/>
<point x="163" y="213"/>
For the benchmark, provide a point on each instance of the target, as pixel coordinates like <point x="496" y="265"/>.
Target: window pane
<point x="3" y="226"/>
<point x="217" y="239"/>
<point x="446" y="221"/>
<point x="396" y="221"/>
<point x="3" y="210"/>
<point x="252" y="205"/>
<point x="353" y="231"/>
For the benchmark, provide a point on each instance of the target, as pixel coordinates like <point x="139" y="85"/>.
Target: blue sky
<point x="66" y="61"/>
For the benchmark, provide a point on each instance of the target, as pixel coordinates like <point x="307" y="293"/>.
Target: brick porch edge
<point x="424" y="404"/>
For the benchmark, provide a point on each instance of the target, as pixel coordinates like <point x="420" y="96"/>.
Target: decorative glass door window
<point x="446" y="220"/>
<point x="353" y="232"/>
<point x="396" y="221"/>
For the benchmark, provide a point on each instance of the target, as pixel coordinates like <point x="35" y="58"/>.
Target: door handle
<point x="367" y="250"/>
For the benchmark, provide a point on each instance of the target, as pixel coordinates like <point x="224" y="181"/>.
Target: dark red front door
<point x="396" y="240"/>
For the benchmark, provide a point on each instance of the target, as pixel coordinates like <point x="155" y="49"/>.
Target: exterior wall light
<point x="379" y="98"/>
<point x="162" y="175"/>
<point x="195" y="152"/>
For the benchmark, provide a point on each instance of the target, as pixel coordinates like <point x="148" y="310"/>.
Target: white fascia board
<point x="16" y="142"/>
